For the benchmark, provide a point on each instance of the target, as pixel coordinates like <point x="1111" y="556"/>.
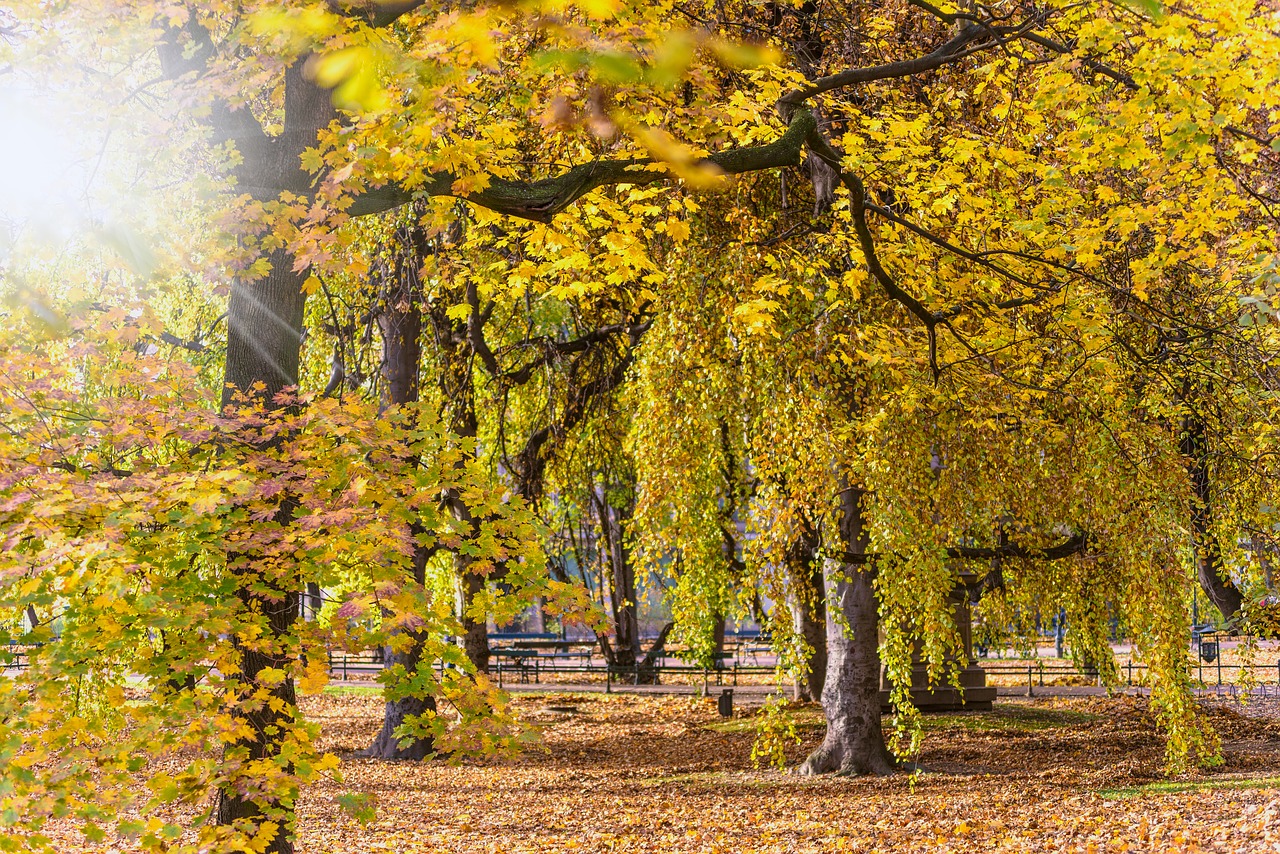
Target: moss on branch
<point x="542" y="199"/>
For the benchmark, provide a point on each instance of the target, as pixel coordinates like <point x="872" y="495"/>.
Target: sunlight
<point x="45" y="169"/>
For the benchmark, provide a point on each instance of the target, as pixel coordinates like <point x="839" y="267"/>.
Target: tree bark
<point x="1208" y="551"/>
<point x="717" y="634"/>
<point x="314" y="600"/>
<point x="622" y="596"/>
<point x="475" y="628"/>
<point x="854" y="742"/>
<point x="275" y="606"/>
<point x="400" y="322"/>
<point x="264" y="338"/>
<point x="809" y="611"/>
<point x="387" y="745"/>
<point x="625" y="652"/>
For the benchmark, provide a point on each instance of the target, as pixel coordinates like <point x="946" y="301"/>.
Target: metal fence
<point x="1211" y="677"/>
<point x="530" y="666"/>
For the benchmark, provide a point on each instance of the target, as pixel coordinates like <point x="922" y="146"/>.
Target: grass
<point x="1009" y="716"/>
<point x="341" y="689"/>
<point x="1173" y="787"/>
<point x="1004" y="717"/>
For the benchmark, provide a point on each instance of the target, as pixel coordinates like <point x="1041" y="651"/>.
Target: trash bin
<point x="724" y="704"/>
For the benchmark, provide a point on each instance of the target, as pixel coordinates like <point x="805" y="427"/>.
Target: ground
<point x="651" y="773"/>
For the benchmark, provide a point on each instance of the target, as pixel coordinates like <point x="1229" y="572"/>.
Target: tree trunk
<point x="264" y="335"/>
<point x="264" y="341"/>
<point x="315" y="601"/>
<point x="263" y="596"/>
<point x="400" y="322"/>
<point x="1210" y="570"/>
<point x="387" y="745"/>
<point x="622" y="597"/>
<point x="475" y="627"/>
<point x="854" y="743"/>
<point x="809" y="611"/>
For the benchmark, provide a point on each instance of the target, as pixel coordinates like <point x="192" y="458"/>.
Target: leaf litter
<point x="644" y="773"/>
<point x="658" y="774"/>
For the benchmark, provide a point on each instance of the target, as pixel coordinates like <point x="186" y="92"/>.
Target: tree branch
<point x="948" y="52"/>
<point x="531" y="463"/>
<point x="475" y="330"/>
<point x="542" y="199"/>
<point x="1076" y="544"/>
<point x="377" y="13"/>
<point x="551" y="349"/>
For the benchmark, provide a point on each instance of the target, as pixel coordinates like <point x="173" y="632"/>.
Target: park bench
<point x="348" y="664"/>
<point x="524" y="639"/>
<point x="754" y="650"/>
<point x="523" y="661"/>
<point x="15" y="657"/>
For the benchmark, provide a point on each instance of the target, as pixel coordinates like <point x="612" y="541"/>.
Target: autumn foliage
<point x="385" y="322"/>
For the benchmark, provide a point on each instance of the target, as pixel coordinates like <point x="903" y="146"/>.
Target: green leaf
<point x="358" y="805"/>
<point x="1153" y="9"/>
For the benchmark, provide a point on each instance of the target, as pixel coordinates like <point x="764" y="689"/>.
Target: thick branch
<point x="378" y="13"/>
<point x="543" y="199"/>
<point x="188" y="50"/>
<point x="949" y="52"/>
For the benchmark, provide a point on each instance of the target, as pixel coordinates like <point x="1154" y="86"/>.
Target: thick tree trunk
<point x="809" y="612"/>
<point x="264" y="335"/>
<point x="264" y="340"/>
<point x="275" y="605"/>
<point x="854" y="743"/>
<point x="1210" y="570"/>
<point x="387" y="745"/>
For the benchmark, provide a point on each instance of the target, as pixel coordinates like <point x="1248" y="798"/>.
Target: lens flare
<point x="45" y="169"/>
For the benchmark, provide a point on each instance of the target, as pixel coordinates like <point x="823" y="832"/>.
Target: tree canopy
<point x="412" y="305"/>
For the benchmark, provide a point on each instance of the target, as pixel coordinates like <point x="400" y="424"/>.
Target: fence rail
<point x="532" y="665"/>
<point x="1265" y="677"/>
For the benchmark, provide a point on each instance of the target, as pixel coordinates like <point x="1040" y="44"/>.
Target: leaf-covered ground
<point x="644" y="773"/>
